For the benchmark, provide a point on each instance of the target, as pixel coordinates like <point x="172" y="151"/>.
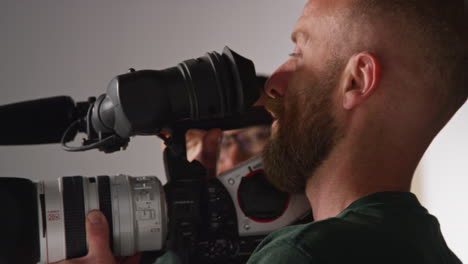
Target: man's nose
<point x="277" y="84"/>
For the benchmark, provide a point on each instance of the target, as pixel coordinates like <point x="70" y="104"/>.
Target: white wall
<point x="443" y="180"/>
<point x="74" y="48"/>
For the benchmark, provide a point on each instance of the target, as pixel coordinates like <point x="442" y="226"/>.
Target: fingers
<point x="97" y="235"/>
<point x="211" y="141"/>
<point x="210" y="151"/>
<point x="194" y="139"/>
<point x="204" y="146"/>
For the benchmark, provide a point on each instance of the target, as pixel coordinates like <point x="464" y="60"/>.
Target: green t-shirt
<point x="385" y="227"/>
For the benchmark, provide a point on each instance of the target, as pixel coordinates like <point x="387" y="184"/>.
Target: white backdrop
<point x="75" y="48"/>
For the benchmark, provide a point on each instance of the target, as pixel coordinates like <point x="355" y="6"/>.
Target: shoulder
<point x="301" y="243"/>
<point x="316" y="242"/>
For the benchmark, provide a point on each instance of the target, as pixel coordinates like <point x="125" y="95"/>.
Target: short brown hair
<point x="437" y="30"/>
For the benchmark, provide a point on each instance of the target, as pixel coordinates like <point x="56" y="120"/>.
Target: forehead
<point x="317" y="15"/>
<point x="310" y="7"/>
<point x="314" y="6"/>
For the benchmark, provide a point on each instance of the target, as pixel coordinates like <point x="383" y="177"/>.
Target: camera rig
<point x="213" y="91"/>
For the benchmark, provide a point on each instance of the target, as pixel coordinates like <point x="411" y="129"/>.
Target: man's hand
<point x="204" y="146"/>
<point x="99" y="252"/>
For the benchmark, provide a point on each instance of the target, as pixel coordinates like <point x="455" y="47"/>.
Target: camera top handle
<point x="184" y="194"/>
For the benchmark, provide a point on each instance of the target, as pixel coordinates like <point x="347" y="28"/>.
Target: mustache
<point x="276" y="106"/>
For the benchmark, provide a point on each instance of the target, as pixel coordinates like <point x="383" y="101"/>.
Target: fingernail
<point x="94" y="217"/>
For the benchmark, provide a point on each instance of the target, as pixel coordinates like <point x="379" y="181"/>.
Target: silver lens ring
<point x="138" y="214"/>
<point x="122" y="216"/>
<point x="135" y="208"/>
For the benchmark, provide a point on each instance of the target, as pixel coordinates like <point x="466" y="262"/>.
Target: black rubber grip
<point x="105" y="204"/>
<point x="19" y="223"/>
<point x="75" y="218"/>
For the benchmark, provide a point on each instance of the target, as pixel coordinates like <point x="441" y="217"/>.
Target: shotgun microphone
<point x="41" y="121"/>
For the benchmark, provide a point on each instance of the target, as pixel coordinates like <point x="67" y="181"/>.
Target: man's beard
<point x="306" y="134"/>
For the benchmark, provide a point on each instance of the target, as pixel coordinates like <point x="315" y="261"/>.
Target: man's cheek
<point x="291" y="113"/>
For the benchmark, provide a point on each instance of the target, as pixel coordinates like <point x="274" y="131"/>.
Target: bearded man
<point x="369" y="85"/>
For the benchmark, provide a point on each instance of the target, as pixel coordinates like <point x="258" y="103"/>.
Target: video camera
<point x="209" y="221"/>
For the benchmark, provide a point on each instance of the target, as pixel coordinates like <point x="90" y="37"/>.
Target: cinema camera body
<point x="209" y="221"/>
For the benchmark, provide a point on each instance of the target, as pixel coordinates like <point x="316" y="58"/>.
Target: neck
<point x="356" y="168"/>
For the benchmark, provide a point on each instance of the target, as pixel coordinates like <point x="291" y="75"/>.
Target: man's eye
<point x="293" y="54"/>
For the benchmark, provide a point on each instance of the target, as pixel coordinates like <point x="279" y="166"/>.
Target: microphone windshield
<point x="41" y="121"/>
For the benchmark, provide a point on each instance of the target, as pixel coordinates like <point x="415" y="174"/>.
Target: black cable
<point x="86" y="147"/>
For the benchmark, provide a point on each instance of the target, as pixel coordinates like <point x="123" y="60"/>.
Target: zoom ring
<point x="105" y="204"/>
<point x="74" y="214"/>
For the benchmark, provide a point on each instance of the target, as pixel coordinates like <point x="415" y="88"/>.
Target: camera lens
<point x="19" y="239"/>
<point x="135" y="208"/>
<point x="210" y="87"/>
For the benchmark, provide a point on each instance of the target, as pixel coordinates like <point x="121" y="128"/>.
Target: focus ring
<point x="74" y="214"/>
<point x="105" y="204"/>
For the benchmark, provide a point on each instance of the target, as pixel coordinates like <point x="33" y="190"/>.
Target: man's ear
<point x="362" y="75"/>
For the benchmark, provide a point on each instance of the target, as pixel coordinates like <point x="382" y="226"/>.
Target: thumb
<point x="211" y="141"/>
<point x="97" y="235"/>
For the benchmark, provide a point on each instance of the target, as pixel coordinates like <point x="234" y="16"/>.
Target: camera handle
<point x="184" y="190"/>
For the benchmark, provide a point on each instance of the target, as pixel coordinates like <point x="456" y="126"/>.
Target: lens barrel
<point x="19" y="235"/>
<point x="135" y="208"/>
